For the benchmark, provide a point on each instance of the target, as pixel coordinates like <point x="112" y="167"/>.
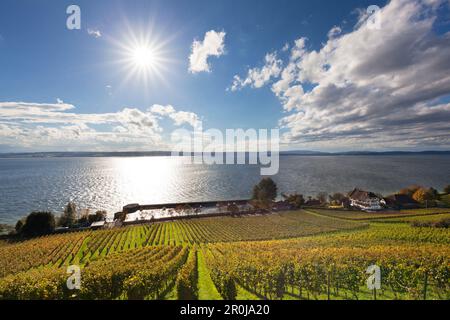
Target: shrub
<point x="409" y="191"/>
<point x="186" y="282"/>
<point x="19" y="226"/>
<point x="295" y="200"/>
<point x="221" y="276"/>
<point x="69" y="217"/>
<point x="38" y="224"/>
<point x="443" y="223"/>
<point x="265" y="190"/>
<point x="98" y="216"/>
<point x="423" y="195"/>
<point x="35" y="284"/>
<point x="447" y="189"/>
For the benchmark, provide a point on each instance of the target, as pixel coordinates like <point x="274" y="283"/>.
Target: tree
<point x="83" y="218"/>
<point x="187" y="209"/>
<point x="98" y="216"/>
<point x="233" y="209"/>
<point x="69" y="217"/>
<point x="38" y="224"/>
<point x="120" y="216"/>
<point x="265" y="191"/>
<point x="19" y="225"/>
<point x="337" y="198"/>
<point x="322" y="197"/>
<point x="434" y="194"/>
<point x="296" y="200"/>
<point x="409" y="191"/>
<point x="424" y="195"/>
<point x="447" y="189"/>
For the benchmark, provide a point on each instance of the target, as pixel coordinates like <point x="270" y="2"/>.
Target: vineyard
<point x="289" y="255"/>
<point x="361" y="215"/>
<point x="426" y="218"/>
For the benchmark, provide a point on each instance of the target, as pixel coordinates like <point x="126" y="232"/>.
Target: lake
<point x="109" y="183"/>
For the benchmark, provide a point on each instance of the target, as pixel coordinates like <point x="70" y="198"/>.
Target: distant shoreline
<point x="168" y="154"/>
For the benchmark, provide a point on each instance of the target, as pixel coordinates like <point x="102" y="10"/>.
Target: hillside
<point x="287" y="255"/>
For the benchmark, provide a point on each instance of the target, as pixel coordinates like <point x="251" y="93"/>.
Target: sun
<point x="144" y="57"/>
<point x="144" y="60"/>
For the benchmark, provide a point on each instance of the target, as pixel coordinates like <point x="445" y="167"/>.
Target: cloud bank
<point x="369" y="88"/>
<point x="46" y="126"/>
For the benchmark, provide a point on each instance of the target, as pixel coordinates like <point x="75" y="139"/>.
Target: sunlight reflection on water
<point x="110" y="183"/>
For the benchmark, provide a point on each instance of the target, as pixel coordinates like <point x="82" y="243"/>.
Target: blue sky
<point x="42" y="62"/>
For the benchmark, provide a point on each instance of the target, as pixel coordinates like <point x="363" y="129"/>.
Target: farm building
<point x="97" y="225"/>
<point x="313" y="203"/>
<point x="366" y="200"/>
<point x="401" y="201"/>
<point x="282" y="206"/>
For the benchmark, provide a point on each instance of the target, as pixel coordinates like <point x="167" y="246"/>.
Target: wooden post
<point x="328" y="285"/>
<point x="374" y="294"/>
<point x="425" y="285"/>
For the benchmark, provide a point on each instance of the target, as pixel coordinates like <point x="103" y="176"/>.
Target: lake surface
<point x="109" y="183"/>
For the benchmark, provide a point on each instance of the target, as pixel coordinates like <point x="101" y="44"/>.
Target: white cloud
<point x="212" y="45"/>
<point x="371" y="88"/>
<point x="258" y="77"/>
<point x="41" y="125"/>
<point x="179" y="117"/>
<point x="335" y="31"/>
<point x="35" y="107"/>
<point x="182" y="117"/>
<point x="299" y="48"/>
<point x="94" y="33"/>
<point x="162" y="110"/>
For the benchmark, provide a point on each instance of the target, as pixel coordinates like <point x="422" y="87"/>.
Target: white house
<point x="366" y="200"/>
<point x="98" y="224"/>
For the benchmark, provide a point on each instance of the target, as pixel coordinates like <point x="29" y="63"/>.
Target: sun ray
<point x="143" y="56"/>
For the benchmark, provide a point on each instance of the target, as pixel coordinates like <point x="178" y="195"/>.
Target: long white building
<point x="366" y="200"/>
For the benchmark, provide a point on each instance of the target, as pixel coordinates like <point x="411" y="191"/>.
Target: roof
<point x="313" y="202"/>
<point x="131" y="208"/>
<point x="401" y="199"/>
<point x="131" y="205"/>
<point x="282" y="204"/>
<point x="362" y="195"/>
<point x="98" y="224"/>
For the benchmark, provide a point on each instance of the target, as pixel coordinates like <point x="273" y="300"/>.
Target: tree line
<point x="264" y="195"/>
<point x="39" y="223"/>
<point x="266" y="191"/>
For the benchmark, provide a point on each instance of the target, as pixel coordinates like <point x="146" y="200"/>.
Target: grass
<point x="171" y="294"/>
<point x="243" y="294"/>
<point x="206" y="288"/>
<point x="445" y="199"/>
